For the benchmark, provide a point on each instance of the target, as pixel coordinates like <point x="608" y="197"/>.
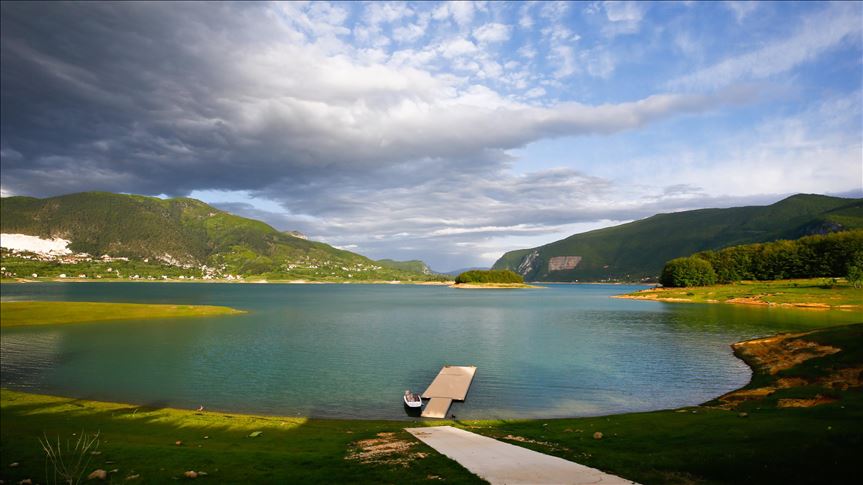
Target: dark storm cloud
<point x="270" y="100"/>
<point x="171" y="97"/>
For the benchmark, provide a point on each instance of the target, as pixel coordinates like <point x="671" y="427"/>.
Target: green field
<point x="21" y="313"/>
<point x="758" y="442"/>
<point x="815" y="293"/>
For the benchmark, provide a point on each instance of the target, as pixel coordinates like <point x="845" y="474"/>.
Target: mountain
<point x="638" y="250"/>
<point x="457" y="272"/>
<point x="184" y="232"/>
<point x="413" y="266"/>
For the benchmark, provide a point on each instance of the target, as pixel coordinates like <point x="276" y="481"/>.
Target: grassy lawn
<point x="137" y="440"/>
<point x="754" y="441"/>
<point x="816" y="292"/>
<point x="15" y="314"/>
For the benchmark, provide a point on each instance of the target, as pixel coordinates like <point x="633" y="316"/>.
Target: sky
<point x="447" y="132"/>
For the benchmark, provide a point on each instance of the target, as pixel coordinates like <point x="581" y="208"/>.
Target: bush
<point x="690" y="271"/>
<point x="490" y="276"/>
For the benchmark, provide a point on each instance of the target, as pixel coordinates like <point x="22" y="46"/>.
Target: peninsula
<point x="25" y="313"/>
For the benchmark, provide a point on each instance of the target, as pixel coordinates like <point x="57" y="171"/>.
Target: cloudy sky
<point x="448" y="132"/>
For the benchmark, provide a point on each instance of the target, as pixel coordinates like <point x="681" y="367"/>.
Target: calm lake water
<point x="352" y="350"/>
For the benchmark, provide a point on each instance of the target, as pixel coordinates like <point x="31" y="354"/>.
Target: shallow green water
<point x="351" y="350"/>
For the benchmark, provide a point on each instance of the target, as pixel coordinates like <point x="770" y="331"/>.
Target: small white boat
<point x="413" y="400"/>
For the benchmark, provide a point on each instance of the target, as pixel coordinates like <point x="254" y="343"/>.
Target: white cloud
<point x="409" y="33"/>
<point x="386" y="12"/>
<point x="527" y="51"/>
<point x="624" y="17"/>
<point x="461" y="13"/>
<point x="816" y="150"/>
<point x="816" y="35"/>
<point x="525" y="19"/>
<point x="457" y="47"/>
<point x="492" y="32"/>
<point x="741" y="9"/>
<point x="536" y="92"/>
<point x="564" y="57"/>
<point x="599" y="62"/>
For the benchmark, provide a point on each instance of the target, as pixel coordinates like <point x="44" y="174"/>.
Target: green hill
<point x="412" y="266"/>
<point x="639" y="249"/>
<point x="184" y="232"/>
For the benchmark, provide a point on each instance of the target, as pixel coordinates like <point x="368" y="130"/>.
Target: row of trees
<point x="832" y="255"/>
<point x="490" y="276"/>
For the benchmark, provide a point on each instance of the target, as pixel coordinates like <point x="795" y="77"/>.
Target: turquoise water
<point x="352" y="350"/>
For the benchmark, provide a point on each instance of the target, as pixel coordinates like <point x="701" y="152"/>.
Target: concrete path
<point x="502" y="463"/>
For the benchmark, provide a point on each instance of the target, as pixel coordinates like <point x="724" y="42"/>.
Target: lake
<point x="350" y="351"/>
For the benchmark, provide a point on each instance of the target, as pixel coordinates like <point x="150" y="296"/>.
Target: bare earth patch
<point x="845" y="378"/>
<point x="749" y="300"/>
<point x="781" y="352"/>
<point x="386" y="449"/>
<point x="804" y="403"/>
<point x="521" y="439"/>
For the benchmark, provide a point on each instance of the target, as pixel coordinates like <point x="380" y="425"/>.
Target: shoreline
<point x="742" y="301"/>
<point x="751" y="360"/>
<point x="24" y="281"/>
<point x="155" y="444"/>
<point x="820" y="294"/>
<point x="493" y="286"/>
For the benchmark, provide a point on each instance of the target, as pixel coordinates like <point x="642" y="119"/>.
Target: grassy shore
<point x="822" y="293"/>
<point x="807" y="430"/>
<point x="5" y="281"/>
<point x="16" y="314"/>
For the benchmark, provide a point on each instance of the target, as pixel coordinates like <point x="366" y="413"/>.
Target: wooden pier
<point x="451" y="384"/>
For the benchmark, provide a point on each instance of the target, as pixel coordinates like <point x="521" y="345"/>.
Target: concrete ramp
<point x="502" y="463"/>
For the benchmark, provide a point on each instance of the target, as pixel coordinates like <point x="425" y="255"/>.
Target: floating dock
<point x="451" y="384"/>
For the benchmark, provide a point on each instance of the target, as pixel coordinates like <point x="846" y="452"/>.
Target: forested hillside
<point x="184" y="232"/>
<point x="638" y="250"/>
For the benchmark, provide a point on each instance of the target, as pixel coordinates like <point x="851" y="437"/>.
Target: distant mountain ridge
<point x="459" y="271"/>
<point x="413" y="266"/>
<point x="184" y="231"/>
<point x="638" y="250"/>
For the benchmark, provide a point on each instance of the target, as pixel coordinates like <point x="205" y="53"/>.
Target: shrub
<point x="690" y="271"/>
<point x="855" y="276"/>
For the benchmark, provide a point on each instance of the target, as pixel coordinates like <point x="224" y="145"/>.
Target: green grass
<point x="699" y="444"/>
<point x="807" y="292"/>
<point x="141" y="440"/>
<point x="16" y="314"/>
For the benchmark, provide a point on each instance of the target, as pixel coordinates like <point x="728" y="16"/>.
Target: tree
<point x="689" y="271"/>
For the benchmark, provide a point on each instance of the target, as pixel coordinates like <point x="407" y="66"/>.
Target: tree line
<point x="832" y="255"/>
